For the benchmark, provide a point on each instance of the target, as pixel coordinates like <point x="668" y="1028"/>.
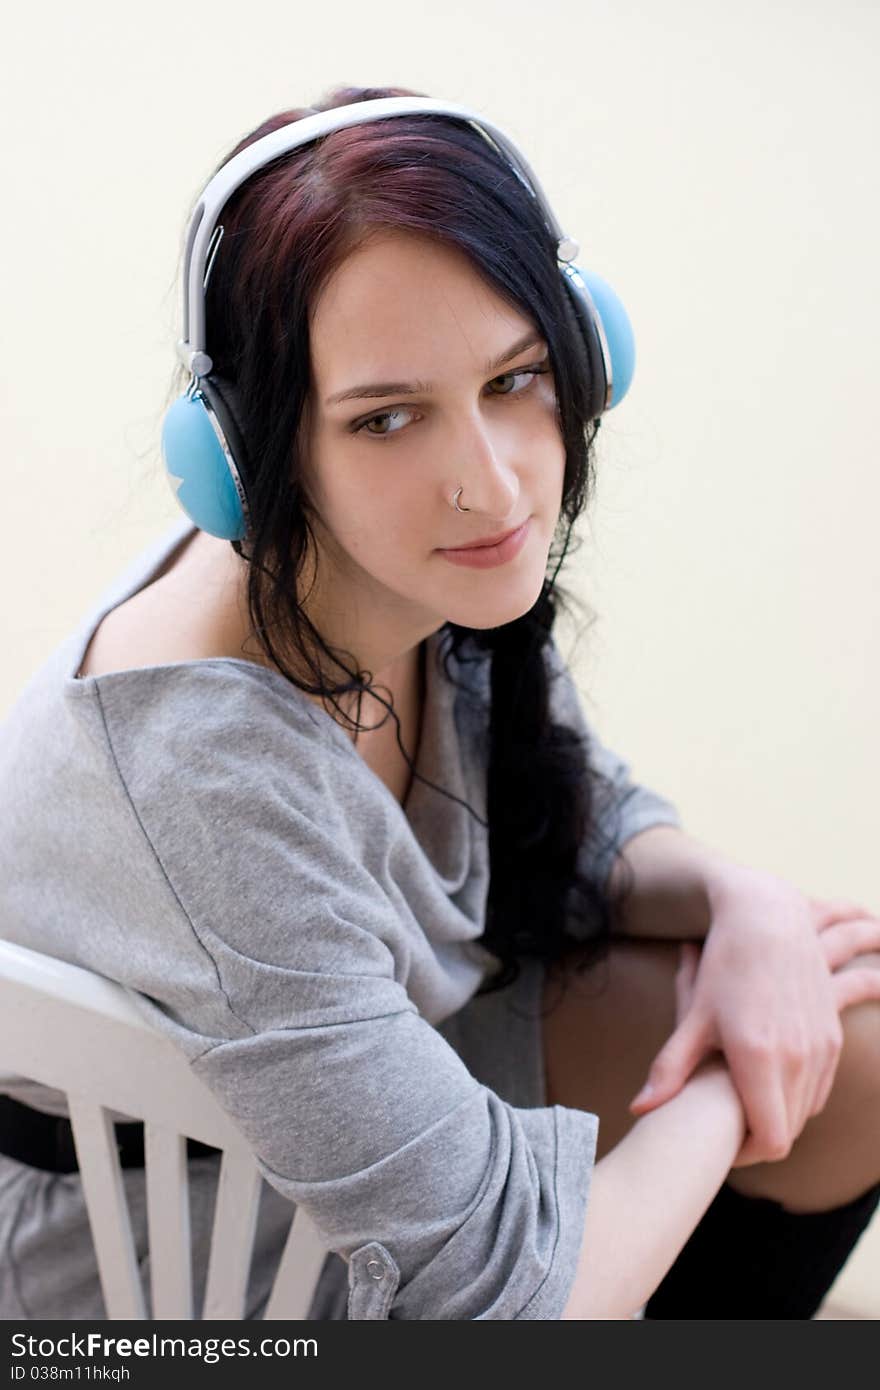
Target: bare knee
<point x="857" y="1079"/>
<point x="858" y="1070"/>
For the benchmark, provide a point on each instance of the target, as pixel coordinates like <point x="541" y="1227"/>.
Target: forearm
<point x="650" y="1191"/>
<point x="673" y="874"/>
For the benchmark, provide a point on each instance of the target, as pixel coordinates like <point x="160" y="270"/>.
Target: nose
<point x="485" y="472"/>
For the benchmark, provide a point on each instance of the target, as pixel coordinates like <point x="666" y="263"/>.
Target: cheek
<point x="376" y="511"/>
<point x="546" y="454"/>
<point x="546" y="426"/>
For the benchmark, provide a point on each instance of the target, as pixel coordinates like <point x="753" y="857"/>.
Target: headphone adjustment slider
<point x="194" y="359"/>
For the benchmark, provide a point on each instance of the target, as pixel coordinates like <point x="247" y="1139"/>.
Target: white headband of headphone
<point x="200" y="236"/>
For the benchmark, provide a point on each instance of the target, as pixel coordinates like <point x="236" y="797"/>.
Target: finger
<point x="748" y="1154"/>
<point x="855" y="986"/>
<point x="677" y="1059"/>
<point x="763" y="1098"/>
<point x="825" y="1068"/>
<point x="802" y="1097"/>
<point x="830" y="910"/>
<point x="751" y="1152"/>
<point x="685" y="977"/>
<point x="798" y="1080"/>
<point x="690" y="959"/>
<point x="825" y="1087"/>
<point x="843" y="940"/>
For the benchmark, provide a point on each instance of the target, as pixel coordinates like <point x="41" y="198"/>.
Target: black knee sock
<point x="751" y="1258"/>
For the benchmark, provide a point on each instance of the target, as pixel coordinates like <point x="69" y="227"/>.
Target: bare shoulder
<point x="183" y="614"/>
<point x="134" y="634"/>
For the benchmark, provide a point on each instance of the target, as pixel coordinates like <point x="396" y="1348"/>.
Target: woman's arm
<point x="672" y="875"/>
<point x="650" y="1191"/>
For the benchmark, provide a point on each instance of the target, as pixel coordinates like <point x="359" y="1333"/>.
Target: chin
<point x="505" y="607"/>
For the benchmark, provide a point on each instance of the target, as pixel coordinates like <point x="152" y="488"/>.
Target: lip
<point x="487" y="556"/>
<point x="489" y="540"/>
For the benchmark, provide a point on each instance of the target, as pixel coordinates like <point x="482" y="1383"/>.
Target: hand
<point x="767" y="992"/>
<point x="686" y="978"/>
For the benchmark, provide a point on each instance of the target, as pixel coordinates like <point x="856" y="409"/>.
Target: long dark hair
<point x="285" y="231"/>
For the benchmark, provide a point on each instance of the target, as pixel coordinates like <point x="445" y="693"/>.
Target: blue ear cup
<point x="607" y="334"/>
<point x="618" y="334"/>
<point x="203" y="450"/>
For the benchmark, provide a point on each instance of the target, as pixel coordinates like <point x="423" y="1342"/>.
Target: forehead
<point x="401" y="304"/>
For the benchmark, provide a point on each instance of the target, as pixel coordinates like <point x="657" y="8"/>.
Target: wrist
<point x="725" y="880"/>
<point x="713" y="1075"/>
<point x="708" y="1109"/>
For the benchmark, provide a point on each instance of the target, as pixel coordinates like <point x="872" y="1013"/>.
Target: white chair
<point x="75" y="1031"/>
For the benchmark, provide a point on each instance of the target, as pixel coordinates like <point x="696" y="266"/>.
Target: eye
<point x="529" y="374"/>
<point x="384" y="415"/>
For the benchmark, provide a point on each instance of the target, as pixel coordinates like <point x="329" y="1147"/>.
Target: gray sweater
<point x="206" y="835"/>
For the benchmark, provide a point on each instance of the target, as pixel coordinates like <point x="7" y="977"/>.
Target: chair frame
<point x="75" y="1031"/>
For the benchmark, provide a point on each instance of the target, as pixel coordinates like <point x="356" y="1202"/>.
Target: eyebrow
<point x="412" y="388"/>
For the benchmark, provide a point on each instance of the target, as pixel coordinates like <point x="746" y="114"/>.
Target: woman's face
<point x="449" y="406"/>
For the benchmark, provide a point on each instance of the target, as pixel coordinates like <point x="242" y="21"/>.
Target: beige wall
<point x="716" y="162"/>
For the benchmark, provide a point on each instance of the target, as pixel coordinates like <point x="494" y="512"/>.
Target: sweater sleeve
<point x="445" y="1201"/>
<point x="622" y="806"/>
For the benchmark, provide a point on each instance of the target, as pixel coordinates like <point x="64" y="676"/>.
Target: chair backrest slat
<point x="232" y="1239"/>
<point x="104" y="1192"/>
<point x="168" y="1223"/>
<point x="298" y="1270"/>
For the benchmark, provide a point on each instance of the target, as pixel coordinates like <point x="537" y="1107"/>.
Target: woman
<point x="325" y="796"/>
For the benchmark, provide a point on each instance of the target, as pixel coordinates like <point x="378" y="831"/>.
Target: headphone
<point x="203" y="441"/>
